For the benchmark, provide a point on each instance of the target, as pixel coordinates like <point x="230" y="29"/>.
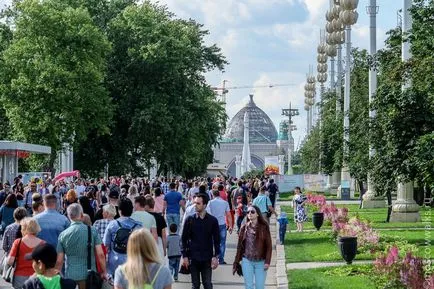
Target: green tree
<point x="331" y="135"/>
<point x="164" y="109"/>
<point x="359" y="118"/>
<point x="310" y="152"/>
<point x="53" y="73"/>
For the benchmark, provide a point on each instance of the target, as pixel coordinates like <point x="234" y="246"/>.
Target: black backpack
<point x="121" y="238"/>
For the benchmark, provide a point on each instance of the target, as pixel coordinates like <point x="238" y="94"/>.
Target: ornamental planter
<point x="348" y="248"/>
<point x="318" y="220"/>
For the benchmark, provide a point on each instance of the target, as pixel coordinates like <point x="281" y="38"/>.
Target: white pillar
<point x="339" y="80"/>
<point x="405" y="208"/>
<point x="369" y="198"/>
<point x="345" y="173"/>
<point x="238" y="166"/>
<point x="281" y="164"/>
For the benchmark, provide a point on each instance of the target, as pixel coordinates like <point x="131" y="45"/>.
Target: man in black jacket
<point x="201" y="243"/>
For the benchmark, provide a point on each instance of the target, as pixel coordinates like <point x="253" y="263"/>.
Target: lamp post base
<point x="407" y="217"/>
<point x="373" y="203"/>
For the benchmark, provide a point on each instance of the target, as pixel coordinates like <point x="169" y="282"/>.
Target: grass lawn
<point x="376" y="216"/>
<point x="327" y="278"/>
<point x="318" y="246"/>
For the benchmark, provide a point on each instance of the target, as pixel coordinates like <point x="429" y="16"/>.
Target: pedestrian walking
<point x="172" y="202"/>
<point x="219" y="208"/>
<point x="263" y="202"/>
<point x="7" y="212"/>
<point x="174" y="251"/>
<point x="117" y="233"/>
<point x="43" y="259"/>
<point x="201" y="244"/>
<point x="254" y="249"/>
<point x="52" y="223"/>
<point x="143" y="267"/>
<point x="73" y="244"/>
<point x="273" y="189"/>
<point x="21" y="247"/>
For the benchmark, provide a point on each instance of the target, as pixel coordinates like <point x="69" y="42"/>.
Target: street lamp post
<point x="369" y="198"/>
<point x="290" y="113"/>
<point x="348" y="16"/>
<point x="405" y="209"/>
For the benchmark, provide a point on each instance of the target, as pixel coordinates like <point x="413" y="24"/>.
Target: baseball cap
<point x="45" y="253"/>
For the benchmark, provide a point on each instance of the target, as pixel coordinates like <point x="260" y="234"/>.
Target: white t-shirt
<point x="147" y="220"/>
<point x="218" y="208"/>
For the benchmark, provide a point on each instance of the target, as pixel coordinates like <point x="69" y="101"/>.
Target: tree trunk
<point x="362" y="191"/>
<point x="389" y="205"/>
<point x="53" y="157"/>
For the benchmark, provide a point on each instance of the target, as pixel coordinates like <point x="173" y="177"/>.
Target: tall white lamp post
<point x="369" y="198"/>
<point x="405" y="209"/>
<point x="348" y="16"/>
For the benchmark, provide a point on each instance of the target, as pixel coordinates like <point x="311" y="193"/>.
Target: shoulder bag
<point x="268" y="210"/>
<point x="9" y="273"/>
<point x="93" y="280"/>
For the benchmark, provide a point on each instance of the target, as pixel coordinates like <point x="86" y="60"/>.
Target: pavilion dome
<point x="261" y="128"/>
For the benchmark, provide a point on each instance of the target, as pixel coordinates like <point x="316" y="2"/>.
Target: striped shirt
<point x="73" y="243"/>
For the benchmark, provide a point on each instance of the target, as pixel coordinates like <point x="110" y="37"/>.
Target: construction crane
<point x="225" y="89"/>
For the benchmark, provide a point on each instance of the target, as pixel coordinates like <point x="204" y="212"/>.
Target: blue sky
<point x="272" y="42"/>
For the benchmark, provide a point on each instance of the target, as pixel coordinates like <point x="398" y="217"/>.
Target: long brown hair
<point x="261" y="219"/>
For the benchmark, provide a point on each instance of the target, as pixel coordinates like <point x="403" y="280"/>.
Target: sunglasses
<point x="252" y="212"/>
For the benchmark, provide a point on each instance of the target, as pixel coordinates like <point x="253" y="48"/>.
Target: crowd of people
<point x="124" y="229"/>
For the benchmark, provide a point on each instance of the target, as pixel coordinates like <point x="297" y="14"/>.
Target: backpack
<point x="121" y="238"/>
<point x="146" y="285"/>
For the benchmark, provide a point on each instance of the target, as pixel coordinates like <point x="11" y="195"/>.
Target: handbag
<point x="268" y="210"/>
<point x="239" y="270"/>
<point x="184" y="270"/>
<point x="9" y="272"/>
<point x="93" y="280"/>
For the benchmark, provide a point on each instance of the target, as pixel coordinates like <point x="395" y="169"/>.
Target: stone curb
<point x="281" y="277"/>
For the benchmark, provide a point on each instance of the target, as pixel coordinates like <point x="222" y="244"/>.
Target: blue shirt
<point x="173" y="198"/>
<point x="262" y="202"/>
<point x="52" y="223"/>
<point x="114" y="258"/>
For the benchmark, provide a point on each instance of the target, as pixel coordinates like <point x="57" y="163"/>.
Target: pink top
<point x="159" y="204"/>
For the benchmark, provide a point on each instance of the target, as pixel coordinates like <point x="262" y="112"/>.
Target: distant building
<point x="263" y="140"/>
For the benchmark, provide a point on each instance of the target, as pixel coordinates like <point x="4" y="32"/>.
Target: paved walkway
<point x="313" y="265"/>
<point x="222" y="277"/>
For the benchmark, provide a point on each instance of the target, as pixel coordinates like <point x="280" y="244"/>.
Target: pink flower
<point x="392" y="257"/>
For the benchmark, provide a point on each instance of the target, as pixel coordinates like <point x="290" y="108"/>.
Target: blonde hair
<point x="30" y="226"/>
<point x="141" y="250"/>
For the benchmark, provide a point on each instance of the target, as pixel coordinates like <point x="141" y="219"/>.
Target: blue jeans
<point x="174" y="266"/>
<point x="172" y="219"/>
<point x="253" y="270"/>
<point x="282" y="232"/>
<point x="223" y="232"/>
